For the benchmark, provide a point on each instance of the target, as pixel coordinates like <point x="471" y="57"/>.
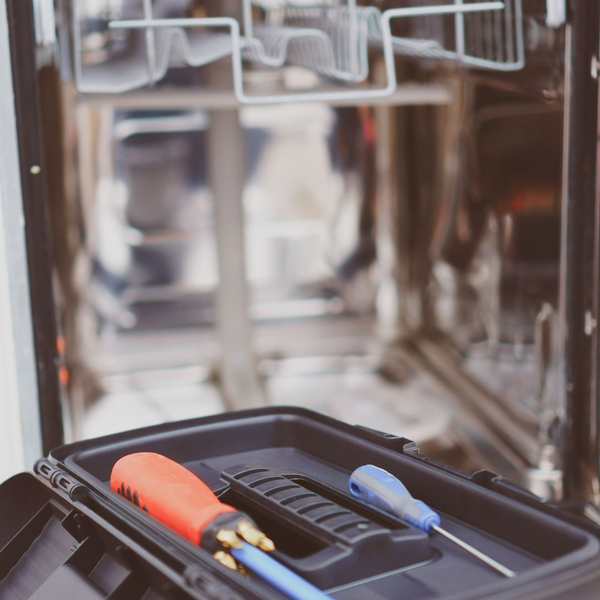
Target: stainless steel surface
<point x="487" y="408"/>
<point x="488" y="337"/>
<point x="484" y="440"/>
<point x="581" y="256"/>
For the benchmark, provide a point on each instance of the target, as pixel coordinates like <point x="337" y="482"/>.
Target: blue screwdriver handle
<point x="381" y="489"/>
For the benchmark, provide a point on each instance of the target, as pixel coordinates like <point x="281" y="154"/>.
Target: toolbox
<point x="65" y="534"/>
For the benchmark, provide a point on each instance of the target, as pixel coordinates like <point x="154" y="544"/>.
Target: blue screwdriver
<point x="381" y="489"/>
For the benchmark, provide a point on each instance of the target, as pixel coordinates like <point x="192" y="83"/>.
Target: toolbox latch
<point x="59" y="479"/>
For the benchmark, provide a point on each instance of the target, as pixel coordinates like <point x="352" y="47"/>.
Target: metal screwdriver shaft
<point x="381" y="489"/>
<point x="480" y="555"/>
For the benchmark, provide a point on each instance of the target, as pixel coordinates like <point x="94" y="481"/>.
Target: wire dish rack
<point x="117" y="51"/>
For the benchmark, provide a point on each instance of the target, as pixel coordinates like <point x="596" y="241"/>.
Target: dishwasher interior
<point x="354" y="207"/>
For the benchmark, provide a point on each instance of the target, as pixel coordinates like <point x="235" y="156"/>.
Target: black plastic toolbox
<point x="65" y="534"/>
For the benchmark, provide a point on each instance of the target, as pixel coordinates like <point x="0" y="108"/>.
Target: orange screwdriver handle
<point x="167" y="491"/>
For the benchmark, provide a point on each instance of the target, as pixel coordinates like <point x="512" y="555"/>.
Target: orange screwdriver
<point x="179" y="499"/>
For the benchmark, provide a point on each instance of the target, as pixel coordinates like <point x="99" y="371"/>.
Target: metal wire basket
<point x="491" y="39"/>
<point x="333" y="38"/>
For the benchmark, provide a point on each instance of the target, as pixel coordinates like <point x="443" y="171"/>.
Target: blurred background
<point x="392" y="265"/>
<point x="392" y="260"/>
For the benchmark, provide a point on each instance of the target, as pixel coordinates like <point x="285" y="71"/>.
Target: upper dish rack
<point x="135" y="45"/>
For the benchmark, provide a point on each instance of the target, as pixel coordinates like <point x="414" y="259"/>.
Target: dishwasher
<point x="382" y="211"/>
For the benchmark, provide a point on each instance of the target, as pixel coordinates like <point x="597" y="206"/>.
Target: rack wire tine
<point x="150" y="42"/>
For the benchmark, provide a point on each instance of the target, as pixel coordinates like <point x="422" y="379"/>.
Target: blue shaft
<point x="280" y="577"/>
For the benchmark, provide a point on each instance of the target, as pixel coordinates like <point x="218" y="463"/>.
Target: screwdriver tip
<point x="255" y="536"/>
<point x="266" y="544"/>
<point x="226" y="559"/>
<point x="228" y="538"/>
